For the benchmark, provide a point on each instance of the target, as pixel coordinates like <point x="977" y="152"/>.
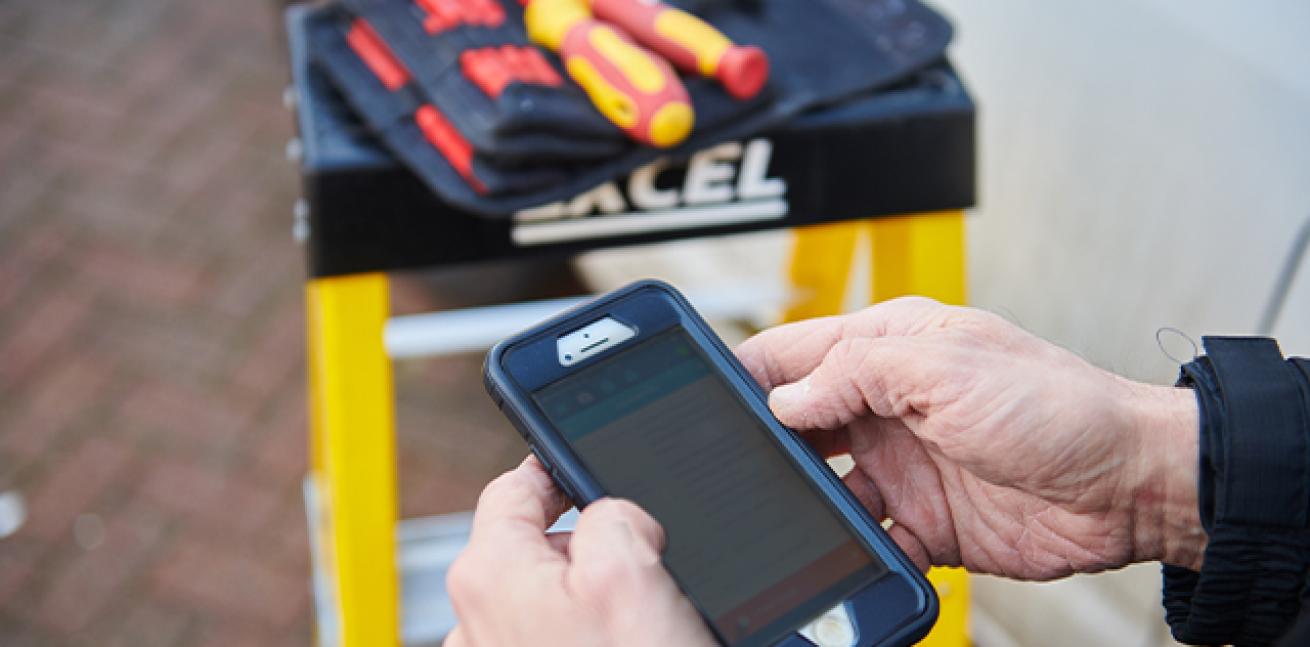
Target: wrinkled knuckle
<point x="885" y="383"/>
<point x="884" y="351"/>
<point x="850" y="353"/>
<point x="872" y="368"/>
<point x="879" y="361"/>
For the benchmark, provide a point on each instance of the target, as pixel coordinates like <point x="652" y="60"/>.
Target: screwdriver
<point x="635" y="89"/>
<point x="690" y="43"/>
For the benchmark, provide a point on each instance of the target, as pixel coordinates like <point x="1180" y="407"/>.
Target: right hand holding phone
<point x="987" y="446"/>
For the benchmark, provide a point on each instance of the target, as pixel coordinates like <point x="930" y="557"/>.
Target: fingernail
<point x="790" y="393"/>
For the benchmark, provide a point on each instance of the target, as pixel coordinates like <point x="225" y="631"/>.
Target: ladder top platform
<point x="903" y="150"/>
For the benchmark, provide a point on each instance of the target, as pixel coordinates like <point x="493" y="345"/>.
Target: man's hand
<point x="987" y="446"/>
<point x="603" y="585"/>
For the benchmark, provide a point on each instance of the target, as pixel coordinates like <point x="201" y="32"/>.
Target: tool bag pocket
<point x="472" y="59"/>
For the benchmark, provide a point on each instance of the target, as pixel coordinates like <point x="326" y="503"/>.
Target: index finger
<point x="517" y="507"/>
<point x="784" y="354"/>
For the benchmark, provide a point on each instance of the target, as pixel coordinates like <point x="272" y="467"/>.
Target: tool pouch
<point x="380" y="89"/>
<point x="474" y="60"/>
<point x="519" y="133"/>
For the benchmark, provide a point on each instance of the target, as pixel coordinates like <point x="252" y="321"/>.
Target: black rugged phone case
<point x="573" y="479"/>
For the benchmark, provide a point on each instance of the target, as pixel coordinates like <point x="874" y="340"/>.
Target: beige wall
<point x="1137" y="172"/>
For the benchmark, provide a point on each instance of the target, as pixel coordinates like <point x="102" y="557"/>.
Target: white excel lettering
<point x="642" y="191"/>
<point x="709" y="179"/>
<point x="751" y="182"/>
<point x="549" y="211"/>
<point x="606" y="197"/>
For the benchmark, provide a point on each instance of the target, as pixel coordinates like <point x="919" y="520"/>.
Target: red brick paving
<point x="151" y="334"/>
<point x="74" y="485"/>
<point x="231" y="583"/>
<point x="84" y="587"/>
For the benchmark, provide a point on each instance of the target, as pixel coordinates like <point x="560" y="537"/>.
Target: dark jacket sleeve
<point x="1300" y="632"/>
<point x="1254" y="497"/>
<point x="1299" y="636"/>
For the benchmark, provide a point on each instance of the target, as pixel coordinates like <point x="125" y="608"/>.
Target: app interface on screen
<point x="748" y="536"/>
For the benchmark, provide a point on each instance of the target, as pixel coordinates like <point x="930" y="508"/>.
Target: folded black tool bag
<point x="381" y="90"/>
<point x="493" y="125"/>
<point x="475" y="61"/>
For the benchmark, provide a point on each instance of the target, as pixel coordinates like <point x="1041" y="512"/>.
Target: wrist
<point x="1167" y="520"/>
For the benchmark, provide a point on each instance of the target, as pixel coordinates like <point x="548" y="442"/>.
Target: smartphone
<point x="632" y="395"/>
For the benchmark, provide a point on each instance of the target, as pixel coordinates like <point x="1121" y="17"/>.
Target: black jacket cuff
<point x="1254" y="497"/>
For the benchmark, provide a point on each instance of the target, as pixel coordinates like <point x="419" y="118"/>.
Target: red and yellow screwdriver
<point x="634" y="88"/>
<point x="692" y="44"/>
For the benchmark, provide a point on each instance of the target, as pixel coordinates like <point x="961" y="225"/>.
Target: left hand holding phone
<point x="988" y="446"/>
<point x="602" y="584"/>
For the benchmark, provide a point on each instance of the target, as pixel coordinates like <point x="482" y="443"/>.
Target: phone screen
<point x="749" y="536"/>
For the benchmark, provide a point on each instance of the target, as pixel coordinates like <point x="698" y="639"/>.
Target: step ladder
<point x="891" y="172"/>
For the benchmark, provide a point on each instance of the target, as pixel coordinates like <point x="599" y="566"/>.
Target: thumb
<point x="616" y="549"/>
<point x="619" y="524"/>
<point x="857" y="376"/>
<point x="615" y="568"/>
